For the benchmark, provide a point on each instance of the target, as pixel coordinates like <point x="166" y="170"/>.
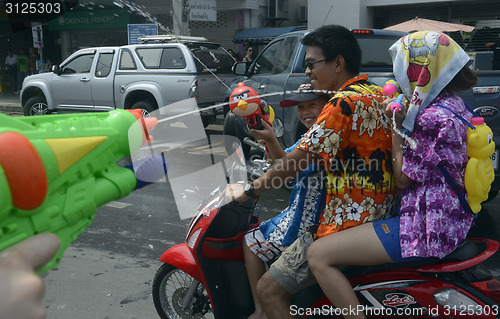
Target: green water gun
<point x="55" y="170"/>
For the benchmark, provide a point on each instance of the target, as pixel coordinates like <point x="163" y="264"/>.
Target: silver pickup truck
<point x="160" y="71"/>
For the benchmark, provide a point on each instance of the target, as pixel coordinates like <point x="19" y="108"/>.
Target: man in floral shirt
<point x="352" y="139"/>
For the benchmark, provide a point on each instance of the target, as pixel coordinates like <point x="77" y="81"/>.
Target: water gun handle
<point x="397" y="105"/>
<point x="254" y="123"/>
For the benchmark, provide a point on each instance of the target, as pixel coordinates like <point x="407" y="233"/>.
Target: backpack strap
<point x="458" y="192"/>
<point x="474" y="114"/>
<point x="454" y="186"/>
<point x="459" y="117"/>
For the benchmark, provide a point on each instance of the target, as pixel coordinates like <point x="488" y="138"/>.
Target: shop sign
<point x="202" y="10"/>
<point x="135" y="31"/>
<point x="104" y="19"/>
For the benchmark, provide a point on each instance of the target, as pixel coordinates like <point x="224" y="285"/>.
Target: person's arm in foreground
<point x="22" y="290"/>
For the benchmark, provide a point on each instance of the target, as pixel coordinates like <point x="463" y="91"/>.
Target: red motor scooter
<point x="205" y="277"/>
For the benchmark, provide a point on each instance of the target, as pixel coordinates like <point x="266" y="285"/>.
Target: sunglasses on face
<point x="310" y="64"/>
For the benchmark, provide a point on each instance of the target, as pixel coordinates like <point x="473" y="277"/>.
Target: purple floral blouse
<point x="433" y="222"/>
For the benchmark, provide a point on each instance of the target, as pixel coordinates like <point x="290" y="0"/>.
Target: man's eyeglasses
<point x="309" y="64"/>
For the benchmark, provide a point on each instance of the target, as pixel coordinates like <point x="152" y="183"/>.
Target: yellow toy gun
<point x="55" y="170"/>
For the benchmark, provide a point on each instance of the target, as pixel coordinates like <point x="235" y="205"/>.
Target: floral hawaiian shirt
<point x="353" y="137"/>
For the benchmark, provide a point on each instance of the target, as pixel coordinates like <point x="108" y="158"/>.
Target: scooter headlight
<point x="194" y="237"/>
<point x="453" y="299"/>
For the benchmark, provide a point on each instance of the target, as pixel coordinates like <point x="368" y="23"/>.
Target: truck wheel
<point x="36" y="105"/>
<point x="146" y="107"/>
<point x="235" y="126"/>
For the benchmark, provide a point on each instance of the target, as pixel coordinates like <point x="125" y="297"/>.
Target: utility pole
<point x="180" y="17"/>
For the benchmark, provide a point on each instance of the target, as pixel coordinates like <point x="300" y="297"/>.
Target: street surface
<point x="108" y="271"/>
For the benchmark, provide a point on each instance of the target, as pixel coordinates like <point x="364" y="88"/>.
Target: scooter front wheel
<point x="170" y="288"/>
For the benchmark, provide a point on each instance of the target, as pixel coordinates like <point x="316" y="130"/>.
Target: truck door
<point x="271" y="73"/>
<point x="102" y="81"/>
<point x="214" y="70"/>
<point x="271" y="70"/>
<point x="72" y="87"/>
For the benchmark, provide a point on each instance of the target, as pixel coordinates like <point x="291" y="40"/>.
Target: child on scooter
<point x="266" y="242"/>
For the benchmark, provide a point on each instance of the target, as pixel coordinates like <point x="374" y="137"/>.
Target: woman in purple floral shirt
<point x="433" y="222"/>
<point x="430" y="67"/>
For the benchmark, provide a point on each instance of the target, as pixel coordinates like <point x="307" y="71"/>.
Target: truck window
<point x="150" y="57"/>
<point x="214" y="59"/>
<point x="376" y="51"/>
<point x="161" y="58"/>
<point x="104" y="64"/>
<point x="80" y="64"/>
<point x="127" y="61"/>
<point x="284" y="56"/>
<point x="172" y="58"/>
<point x="265" y="62"/>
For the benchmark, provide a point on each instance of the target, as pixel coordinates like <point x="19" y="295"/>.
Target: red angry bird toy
<point x="244" y="101"/>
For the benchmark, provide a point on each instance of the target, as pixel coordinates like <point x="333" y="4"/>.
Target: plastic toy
<point x="391" y="88"/>
<point x="479" y="173"/>
<point x="397" y="105"/>
<point x="55" y="170"/>
<point x="244" y="101"/>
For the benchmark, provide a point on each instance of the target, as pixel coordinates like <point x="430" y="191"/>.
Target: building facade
<point x="383" y="13"/>
<point x="254" y="22"/>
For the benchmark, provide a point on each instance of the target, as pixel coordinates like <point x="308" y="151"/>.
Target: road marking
<point x="116" y="204"/>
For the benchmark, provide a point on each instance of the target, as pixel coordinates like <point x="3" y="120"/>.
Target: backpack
<point x="479" y="173"/>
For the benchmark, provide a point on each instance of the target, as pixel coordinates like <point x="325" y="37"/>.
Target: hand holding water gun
<point x="55" y="170"/>
<point x="391" y="88"/>
<point x="244" y="101"/>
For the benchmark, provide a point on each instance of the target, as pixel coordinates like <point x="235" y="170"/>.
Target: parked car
<point x="159" y="71"/>
<point x="278" y="70"/>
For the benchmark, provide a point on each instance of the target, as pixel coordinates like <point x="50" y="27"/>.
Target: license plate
<point x="494" y="160"/>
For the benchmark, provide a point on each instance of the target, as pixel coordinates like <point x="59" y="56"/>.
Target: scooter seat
<point x="465" y="251"/>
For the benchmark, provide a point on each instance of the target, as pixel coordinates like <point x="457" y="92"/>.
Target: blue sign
<point x="138" y="30"/>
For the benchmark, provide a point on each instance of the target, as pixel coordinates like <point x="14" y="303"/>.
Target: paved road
<point x="107" y="272"/>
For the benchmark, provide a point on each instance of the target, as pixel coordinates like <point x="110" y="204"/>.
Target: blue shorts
<point x="388" y="232"/>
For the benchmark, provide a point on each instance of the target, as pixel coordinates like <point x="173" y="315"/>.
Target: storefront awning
<point x="261" y="35"/>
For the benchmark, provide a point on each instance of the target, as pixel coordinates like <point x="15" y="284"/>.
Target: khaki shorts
<point x="291" y="270"/>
